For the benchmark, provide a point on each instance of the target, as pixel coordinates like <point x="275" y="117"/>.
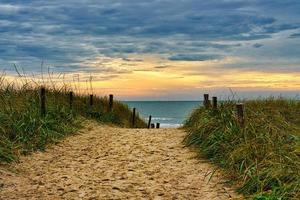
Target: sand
<point x="102" y="162"/>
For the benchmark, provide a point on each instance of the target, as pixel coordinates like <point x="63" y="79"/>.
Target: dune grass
<point x="262" y="157"/>
<point x="23" y="129"/>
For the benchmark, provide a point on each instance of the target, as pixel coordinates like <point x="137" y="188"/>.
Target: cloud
<point x="257" y="45"/>
<point x="280" y="27"/>
<point x="65" y="35"/>
<point x="132" y="60"/>
<point x="9" y="8"/>
<point x="295" y="35"/>
<point x="163" y="66"/>
<point x="194" y="57"/>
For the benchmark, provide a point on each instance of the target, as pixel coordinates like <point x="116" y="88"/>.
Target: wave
<point x="166" y="125"/>
<point x="162" y="118"/>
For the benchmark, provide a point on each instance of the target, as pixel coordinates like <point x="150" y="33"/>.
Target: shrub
<point x="263" y="156"/>
<point x="23" y="129"/>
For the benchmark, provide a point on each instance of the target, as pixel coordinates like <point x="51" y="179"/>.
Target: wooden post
<point x="206" y="102"/>
<point x="157" y="125"/>
<point x="71" y="100"/>
<point x="152" y="125"/>
<point x="215" y="103"/>
<point x="149" y="122"/>
<point x="91" y="100"/>
<point x="43" y="101"/>
<point x="111" y="102"/>
<point x="240" y="113"/>
<point x="133" y="117"/>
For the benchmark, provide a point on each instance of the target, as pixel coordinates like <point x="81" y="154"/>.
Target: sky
<point x="157" y="49"/>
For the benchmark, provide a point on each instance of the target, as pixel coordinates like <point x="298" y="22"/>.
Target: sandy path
<point x="112" y="163"/>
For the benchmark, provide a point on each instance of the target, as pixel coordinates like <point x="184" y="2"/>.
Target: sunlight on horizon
<point x="143" y="77"/>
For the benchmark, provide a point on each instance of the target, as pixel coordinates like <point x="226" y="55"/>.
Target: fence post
<point x="91" y="100"/>
<point x="152" y="125"/>
<point x="111" y="102"/>
<point x="149" y="122"/>
<point x="206" y="102"/>
<point x="133" y="117"/>
<point x="157" y="125"/>
<point x="71" y="100"/>
<point x="215" y="103"/>
<point x="43" y="101"/>
<point x="240" y="113"/>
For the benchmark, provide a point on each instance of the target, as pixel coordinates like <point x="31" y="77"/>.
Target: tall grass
<point x="263" y="157"/>
<point x="23" y="130"/>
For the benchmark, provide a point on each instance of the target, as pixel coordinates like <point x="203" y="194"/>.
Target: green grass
<point x="23" y="130"/>
<point x="263" y="157"/>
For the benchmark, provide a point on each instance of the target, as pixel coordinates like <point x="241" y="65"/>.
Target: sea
<point x="170" y="114"/>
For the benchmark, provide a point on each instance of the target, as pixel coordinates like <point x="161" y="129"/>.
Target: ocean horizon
<point x="170" y="114"/>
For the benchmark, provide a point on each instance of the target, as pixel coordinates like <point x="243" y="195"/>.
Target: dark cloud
<point x="132" y="60"/>
<point x="64" y="34"/>
<point x="162" y="66"/>
<point x="194" y="57"/>
<point x="280" y="27"/>
<point x="257" y="45"/>
<point x="295" y="35"/>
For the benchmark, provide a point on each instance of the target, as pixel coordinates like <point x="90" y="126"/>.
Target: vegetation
<point x="23" y="129"/>
<point x="263" y="156"/>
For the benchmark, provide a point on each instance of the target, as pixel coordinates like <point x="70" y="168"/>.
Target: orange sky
<point x="162" y="79"/>
<point x="150" y="77"/>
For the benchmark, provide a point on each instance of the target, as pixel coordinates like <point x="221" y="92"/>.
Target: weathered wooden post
<point x="91" y="100"/>
<point x="152" y="125"/>
<point x="149" y="122"/>
<point x="43" y="101"/>
<point x="133" y="117"/>
<point x="111" y="102"/>
<point x="206" y="102"/>
<point x="157" y="125"/>
<point x="215" y="103"/>
<point x="91" y="103"/>
<point x="71" y="100"/>
<point x="240" y="113"/>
